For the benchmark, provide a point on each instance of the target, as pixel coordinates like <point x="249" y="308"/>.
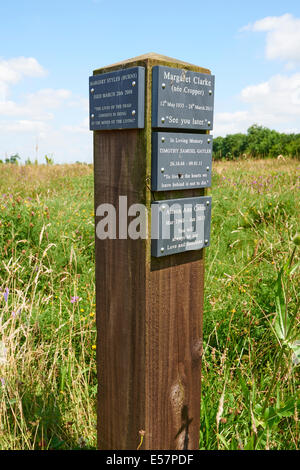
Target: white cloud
<point x="79" y="102"/>
<point x="283" y="37"/>
<point x="23" y="125"/>
<point x="48" y="98"/>
<point x="13" y="70"/>
<point x="280" y="95"/>
<point x="44" y="119"/>
<point x="82" y="128"/>
<point x="231" y="123"/>
<point x="36" y="105"/>
<point x="274" y="103"/>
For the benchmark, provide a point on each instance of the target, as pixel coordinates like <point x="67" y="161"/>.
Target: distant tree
<point x="236" y="145"/>
<point x="293" y="147"/>
<point x="218" y="148"/>
<point x="259" y="142"/>
<point x="13" y="159"/>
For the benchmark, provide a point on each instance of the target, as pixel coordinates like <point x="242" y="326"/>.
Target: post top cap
<point x="155" y="59"/>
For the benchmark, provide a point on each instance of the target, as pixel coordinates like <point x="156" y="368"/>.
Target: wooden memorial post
<point x="151" y="117"/>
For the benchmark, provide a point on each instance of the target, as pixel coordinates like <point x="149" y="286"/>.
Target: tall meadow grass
<point x="47" y="308"/>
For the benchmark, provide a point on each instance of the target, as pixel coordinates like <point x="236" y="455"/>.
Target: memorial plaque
<point x="179" y="225"/>
<point x="182" y="99"/>
<point x="117" y="99"/>
<point x="181" y="161"/>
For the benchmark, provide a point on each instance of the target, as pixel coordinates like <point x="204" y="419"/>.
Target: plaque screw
<point x="207" y="203"/>
<point x="208" y="141"/>
<point x="208" y="123"/>
<point x="163" y="207"/>
<point x="162" y="170"/>
<point x="133" y="83"/>
<point x="133" y="113"/>
<point x="162" y="120"/>
<point x="92" y="116"/>
<point x="207" y="168"/>
<point x="162" y="250"/>
<point x="206" y="242"/>
<point x="163" y="85"/>
<point x="210" y="92"/>
<point x="92" y="90"/>
<point x="162" y="139"/>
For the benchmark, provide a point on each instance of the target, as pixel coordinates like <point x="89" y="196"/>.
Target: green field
<point x="48" y="380"/>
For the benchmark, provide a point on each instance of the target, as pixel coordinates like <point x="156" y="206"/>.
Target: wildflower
<point x="94" y="347"/>
<point x="14" y="314"/>
<point x="5" y="295"/>
<point x="2" y="380"/>
<point x="74" y="299"/>
<point x="233" y="310"/>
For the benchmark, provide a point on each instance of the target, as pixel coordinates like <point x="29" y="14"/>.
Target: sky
<point x="49" y="48"/>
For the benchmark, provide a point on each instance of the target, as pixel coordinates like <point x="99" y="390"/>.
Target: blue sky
<point x="48" y="49"/>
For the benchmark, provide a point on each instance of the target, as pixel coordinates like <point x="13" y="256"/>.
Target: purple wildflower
<point x="14" y="314"/>
<point x="5" y="295"/>
<point x="2" y="380"/>
<point x="74" y="299"/>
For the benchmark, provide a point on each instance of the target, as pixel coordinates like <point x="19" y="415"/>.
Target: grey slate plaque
<point x="179" y="225"/>
<point x="117" y="99"/>
<point x="182" y="99"/>
<point x="180" y="161"/>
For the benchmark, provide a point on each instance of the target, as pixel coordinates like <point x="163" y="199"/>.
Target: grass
<point x="47" y="308"/>
<point x="255" y="215"/>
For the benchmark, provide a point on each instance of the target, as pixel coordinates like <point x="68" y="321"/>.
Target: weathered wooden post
<point x="151" y="117"/>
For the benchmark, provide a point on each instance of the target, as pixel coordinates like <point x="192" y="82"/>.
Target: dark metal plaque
<point x="179" y="225"/>
<point x="182" y="99"/>
<point x="117" y="99"/>
<point x="180" y="161"/>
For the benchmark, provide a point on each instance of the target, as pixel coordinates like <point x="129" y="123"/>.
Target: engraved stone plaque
<point x="182" y="99"/>
<point x="179" y="225"/>
<point x="180" y="161"/>
<point x="117" y="99"/>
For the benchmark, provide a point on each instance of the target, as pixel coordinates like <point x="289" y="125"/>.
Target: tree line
<point x="259" y="142"/>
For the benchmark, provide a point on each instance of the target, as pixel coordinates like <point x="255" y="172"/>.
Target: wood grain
<point x="149" y="310"/>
